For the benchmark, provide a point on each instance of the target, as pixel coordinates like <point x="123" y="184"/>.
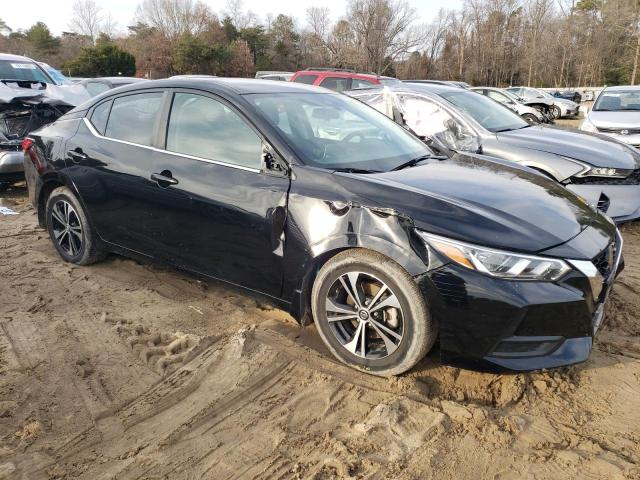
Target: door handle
<point x="164" y="177"/>
<point x="77" y="155"/>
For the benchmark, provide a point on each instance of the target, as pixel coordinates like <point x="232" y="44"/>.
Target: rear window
<point x="22" y="70"/>
<point x="133" y="118"/>
<point x="358" y="83"/>
<point x="337" y="84"/>
<point x="308" y="79"/>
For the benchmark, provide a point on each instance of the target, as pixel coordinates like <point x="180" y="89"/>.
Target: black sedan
<point x="337" y="214"/>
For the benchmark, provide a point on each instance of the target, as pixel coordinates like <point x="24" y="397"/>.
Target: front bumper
<point x="493" y="324"/>
<point x="11" y="162"/>
<point x="620" y="202"/>
<point x="632" y="139"/>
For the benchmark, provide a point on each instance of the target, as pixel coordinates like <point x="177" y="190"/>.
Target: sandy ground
<point x="124" y="370"/>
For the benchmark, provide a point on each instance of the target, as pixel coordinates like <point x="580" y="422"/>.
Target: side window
<point x="308" y="79"/>
<point x="96" y="88"/>
<point x="357" y="83"/>
<point x="428" y="120"/>
<point x="336" y="83"/>
<point x="100" y="116"/>
<point x="133" y="117"/>
<point x="497" y="96"/>
<point x="206" y="128"/>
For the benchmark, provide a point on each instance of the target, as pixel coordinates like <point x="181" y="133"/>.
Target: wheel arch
<point x="413" y="262"/>
<point x="49" y="183"/>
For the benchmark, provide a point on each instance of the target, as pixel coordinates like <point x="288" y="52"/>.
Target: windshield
<point x="22" y="70"/>
<point x="491" y="115"/>
<point x="618" y="100"/>
<point x="56" y="75"/>
<point x="337" y="132"/>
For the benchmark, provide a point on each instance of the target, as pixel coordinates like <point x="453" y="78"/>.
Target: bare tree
<point x="240" y="17"/>
<point x="174" y="17"/>
<point x="86" y="17"/>
<point x="384" y="30"/>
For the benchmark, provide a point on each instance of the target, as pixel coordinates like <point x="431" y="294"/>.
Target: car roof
<point x="434" y="87"/>
<point x="8" y="56"/>
<point x="619" y="88"/>
<point x="240" y="86"/>
<point x="339" y="73"/>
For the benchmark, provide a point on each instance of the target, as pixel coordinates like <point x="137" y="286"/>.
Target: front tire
<point x="371" y="313"/>
<point x="530" y="118"/>
<point x="69" y="229"/>
<point x="556" y="112"/>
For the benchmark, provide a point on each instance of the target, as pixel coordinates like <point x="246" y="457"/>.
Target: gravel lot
<point x="125" y="370"/>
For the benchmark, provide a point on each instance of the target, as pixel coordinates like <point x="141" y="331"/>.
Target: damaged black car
<point x="335" y="212"/>
<point x="29" y="99"/>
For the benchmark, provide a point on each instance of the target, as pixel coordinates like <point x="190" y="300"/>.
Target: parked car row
<point x="390" y="235"/>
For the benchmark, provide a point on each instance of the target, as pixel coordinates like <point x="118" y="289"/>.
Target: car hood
<point x="595" y="150"/>
<point x="483" y="202"/>
<point x="565" y="101"/>
<point x="616" y="119"/>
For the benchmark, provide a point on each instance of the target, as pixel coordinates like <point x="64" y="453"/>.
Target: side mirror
<point x="272" y="162"/>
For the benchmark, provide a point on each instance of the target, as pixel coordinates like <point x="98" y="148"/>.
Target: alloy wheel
<point x="67" y="228"/>
<point x="365" y="315"/>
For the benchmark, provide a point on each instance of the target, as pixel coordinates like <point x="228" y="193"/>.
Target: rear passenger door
<point x="109" y="160"/>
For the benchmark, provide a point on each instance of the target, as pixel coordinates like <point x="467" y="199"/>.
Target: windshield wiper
<point x="412" y="163"/>
<point x="355" y="170"/>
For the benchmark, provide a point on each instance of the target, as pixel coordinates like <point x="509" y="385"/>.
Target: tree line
<point x="549" y="43"/>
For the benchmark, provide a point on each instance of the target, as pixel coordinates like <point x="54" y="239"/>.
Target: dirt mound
<point x="123" y="370"/>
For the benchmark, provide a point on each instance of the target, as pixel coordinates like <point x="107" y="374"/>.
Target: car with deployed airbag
<point x="334" y="212"/>
<point x="603" y="171"/>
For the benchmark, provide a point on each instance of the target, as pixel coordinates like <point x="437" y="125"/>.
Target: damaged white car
<point x="604" y="172"/>
<point x="29" y="99"/>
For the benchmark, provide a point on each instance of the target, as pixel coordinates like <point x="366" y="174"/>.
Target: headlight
<point x="587" y="126"/>
<point x="498" y="263"/>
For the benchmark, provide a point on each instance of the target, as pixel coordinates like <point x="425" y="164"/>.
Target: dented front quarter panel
<point x="325" y="217"/>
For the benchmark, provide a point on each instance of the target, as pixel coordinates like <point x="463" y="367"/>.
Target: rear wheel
<point x="70" y="230"/>
<point x="371" y="314"/>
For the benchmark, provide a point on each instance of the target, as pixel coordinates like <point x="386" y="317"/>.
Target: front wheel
<point x="371" y="314"/>
<point x="70" y="230"/>
<point x="556" y="112"/>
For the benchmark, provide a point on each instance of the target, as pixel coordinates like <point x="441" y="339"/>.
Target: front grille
<point x="16" y="127"/>
<point x="630" y="131"/>
<point x="632" y="179"/>
<point x="604" y="260"/>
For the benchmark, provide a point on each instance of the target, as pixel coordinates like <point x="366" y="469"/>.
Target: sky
<point x="56" y="13"/>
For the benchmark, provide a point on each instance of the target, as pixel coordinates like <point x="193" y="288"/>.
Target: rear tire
<point x="70" y="230"/>
<point x="385" y="328"/>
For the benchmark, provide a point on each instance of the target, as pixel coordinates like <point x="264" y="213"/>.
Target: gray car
<point x="604" y="172"/>
<point x="616" y="113"/>
<point x="560" y="107"/>
<point x="511" y="101"/>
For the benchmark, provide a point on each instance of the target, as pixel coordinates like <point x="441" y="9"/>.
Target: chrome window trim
<point x="97" y="134"/>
